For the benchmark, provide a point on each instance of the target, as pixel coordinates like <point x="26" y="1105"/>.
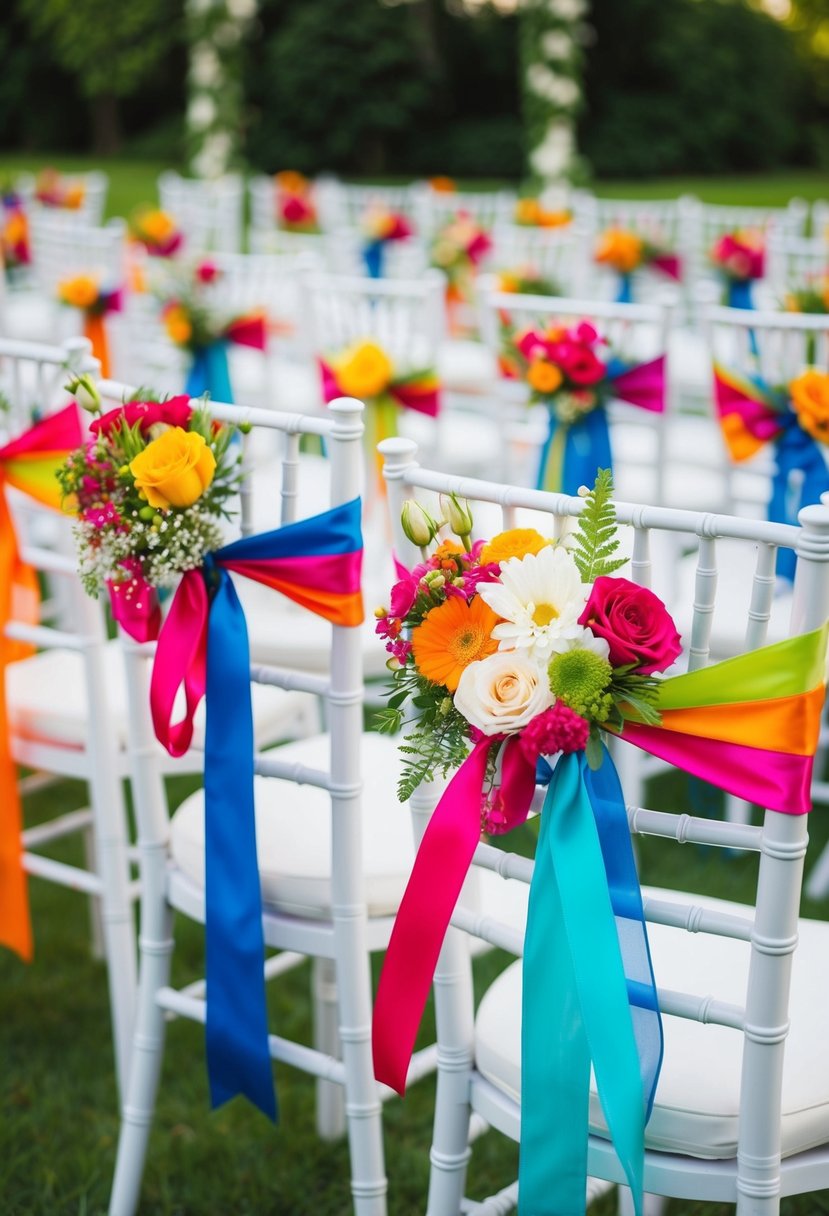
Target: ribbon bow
<point x="751" y="415"/>
<point x="589" y="991"/>
<point x="209" y="372"/>
<point x="29" y="463"/>
<point x="203" y="648"/>
<point x="670" y="264"/>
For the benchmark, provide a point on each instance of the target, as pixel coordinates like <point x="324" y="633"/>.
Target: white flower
<point x="241" y="10"/>
<point x="205" y="68"/>
<point x="557" y="89"/>
<point x="556" y="45"/>
<point x="541" y="597"/>
<point x="568" y="10"/>
<point x="201" y="111"/>
<point x="501" y="693"/>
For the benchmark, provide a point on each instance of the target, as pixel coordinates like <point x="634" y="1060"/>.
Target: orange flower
<point x="291" y="182"/>
<point x="442" y="185"/>
<point x="447" y="548"/>
<point x="517" y="542"/>
<point x="157" y="226"/>
<point x="364" y="370"/>
<point x="79" y="292"/>
<point x="553" y="219"/>
<point x="507" y="282"/>
<point x="620" y="249"/>
<point x="544" y="377"/>
<point x="527" y="211"/>
<point x="74" y="196"/>
<point x="452" y="636"/>
<point x="810" y="398"/>
<point x="177" y="324"/>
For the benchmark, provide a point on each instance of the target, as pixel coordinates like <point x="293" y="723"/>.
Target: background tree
<point x="110" y="49"/>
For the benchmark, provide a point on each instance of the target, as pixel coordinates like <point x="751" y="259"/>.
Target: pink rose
<point x="583" y="367"/>
<point x="175" y="412"/>
<point x="585" y="333"/>
<point x="295" y="210"/>
<point x="635" y="624"/>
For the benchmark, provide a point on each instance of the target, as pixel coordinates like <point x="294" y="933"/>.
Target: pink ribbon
<point x="181" y="662"/>
<point x="670" y="264"/>
<point x="248" y="331"/>
<point x="412" y="395"/>
<point x="643" y="385"/>
<point x="427" y="905"/>
<point x="135" y="604"/>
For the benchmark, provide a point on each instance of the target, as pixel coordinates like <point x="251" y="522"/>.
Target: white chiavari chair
<point x="343" y="205"/>
<point x="486" y="207"/>
<point x="332" y="852"/>
<point x="210" y="213"/>
<point x="557" y="254"/>
<point x="795" y="262"/>
<point x="94" y="185"/>
<point x="706" y="222"/>
<point x="733" y="1120"/>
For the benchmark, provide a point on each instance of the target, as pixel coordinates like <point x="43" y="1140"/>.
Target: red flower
<point x="579" y="363"/>
<point x="207" y="272"/>
<point x="175" y="412"/>
<point x="635" y="624"/>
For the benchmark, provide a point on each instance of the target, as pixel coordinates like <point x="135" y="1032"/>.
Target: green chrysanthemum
<point x="581" y="679"/>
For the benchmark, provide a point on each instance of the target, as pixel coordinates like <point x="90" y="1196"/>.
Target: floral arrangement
<point x="157" y="231"/>
<point x="52" y="190"/>
<point x="458" y="249"/>
<point x="84" y="291"/>
<point x="625" y="251"/>
<point x="442" y="185"/>
<point x="295" y="209"/>
<point x="526" y="281"/>
<point x="14" y="235"/>
<point x="563" y="367"/>
<point x="191" y="319"/>
<point x="530" y="213"/>
<point x="380" y="224"/>
<point x="518" y="636"/>
<point x="149" y="487"/>
<point x="740" y="256"/>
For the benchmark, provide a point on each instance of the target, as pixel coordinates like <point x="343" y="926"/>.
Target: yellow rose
<point x="175" y="469"/>
<point x="364" y="371"/>
<point x="80" y="292"/>
<point x="544" y="377"/>
<point x="810" y="399"/>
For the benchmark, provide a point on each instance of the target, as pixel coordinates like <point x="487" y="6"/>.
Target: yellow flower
<point x="292" y="182"/>
<point x="620" y="249"/>
<point x="365" y="370"/>
<point x="74" y="196"/>
<point x="157" y="225"/>
<point x="544" y="377"/>
<point x="507" y="282"/>
<point x="452" y="636"/>
<point x="527" y="211"/>
<point x="175" y="469"/>
<point x="810" y="399"/>
<point x="177" y="324"/>
<point x="517" y="542"/>
<point x="79" y="292"/>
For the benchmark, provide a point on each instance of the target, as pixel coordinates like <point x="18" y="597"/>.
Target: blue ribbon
<point x="738" y="293"/>
<point x="373" y="256"/>
<point x="625" y="293"/>
<point x="209" y="373"/>
<point x="238" y="1058"/>
<point x="796" y="452"/>
<point x="589" y="994"/>
<point x="586" y="449"/>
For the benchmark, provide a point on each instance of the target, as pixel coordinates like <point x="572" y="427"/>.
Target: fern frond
<point x="595" y="540"/>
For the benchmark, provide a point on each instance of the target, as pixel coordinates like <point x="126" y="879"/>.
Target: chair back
<point x="342" y="205"/>
<point x="760" y="1019"/>
<point x="64" y="245"/>
<point x="485" y="207"/>
<point x="556" y="254"/>
<point x="795" y="262"/>
<point x="209" y="213"/>
<point x="777" y="346"/>
<point x="33" y="375"/>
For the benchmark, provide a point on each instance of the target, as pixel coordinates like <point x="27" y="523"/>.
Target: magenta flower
<point x="558" y="729"/>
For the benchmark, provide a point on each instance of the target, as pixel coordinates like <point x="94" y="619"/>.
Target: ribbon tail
<point x="238" y="1058"/>
<point x="801" y="476"/>
<point x="95" y="330"/>
<point x="589" y="994"/>
<point x="738" y="294"/>
<point x="209" y="373"/>
<point x="624" y="295"/>
<point x="373" y="258"/>
<point x="551" y="457"/>
<point x="587" y="449"/>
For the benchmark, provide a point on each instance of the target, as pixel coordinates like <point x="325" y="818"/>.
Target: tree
<point x="110" y="49"/>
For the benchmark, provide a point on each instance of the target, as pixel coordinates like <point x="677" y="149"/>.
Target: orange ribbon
<point x="94" y="328"/>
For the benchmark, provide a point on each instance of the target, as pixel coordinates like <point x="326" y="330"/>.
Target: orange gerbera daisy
<point x="543" y="376"/>
<point x="517" y="542"/>
<point x="452" y="636"/>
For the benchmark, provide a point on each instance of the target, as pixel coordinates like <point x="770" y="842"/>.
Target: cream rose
<point x="501" y="693"/>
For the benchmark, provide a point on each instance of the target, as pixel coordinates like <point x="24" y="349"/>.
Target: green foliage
<point x="437" y="742"/>
<point x="108" y="48"/>
<point x="702" y="85"/>
<point x="595" y="540"/>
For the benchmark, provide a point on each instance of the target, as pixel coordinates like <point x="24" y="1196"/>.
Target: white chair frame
<point x="209" y="213"/>
<point x="757" y="1177"/>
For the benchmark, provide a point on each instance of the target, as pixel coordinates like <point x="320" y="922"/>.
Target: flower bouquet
<point x="192" y="321"/>
<point x="530" y="213"/>
<point x="740" y="258"/>
<point x="84" y="292"/>
<point x="53" y="190"/>
<point x="381" y="226"/>
<point x="813" y="297"/>
<point x="526" y="281"/>
<point x="156" y="230"/>
<point x="516" y="656"/>
<point x="573" y="375"/>
<point x="295" y="209"/>
<point x="150" y="487"/>
<point x="625" y="252"/>
<point x="14" y="233"/>
<point x="794" y="419"/>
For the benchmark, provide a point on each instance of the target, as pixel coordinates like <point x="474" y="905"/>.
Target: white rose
<point x="501" y="693"/>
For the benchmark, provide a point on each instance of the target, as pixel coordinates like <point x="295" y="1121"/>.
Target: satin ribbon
<point x="373" y="257"/>
<point x="738" y="293"/>
<point x="28" y="463"/>
<point x="203" y="648"/>
<point x="583" y="1001"/>
<point x="94" y="326"/>
<point x="572" y="452"/>
<point x="752" y="414"/>
<point x="209" y="371"/>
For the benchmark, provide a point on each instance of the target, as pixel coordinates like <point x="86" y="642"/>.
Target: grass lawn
<point x="134" y="181"/>
<point x="59" y="1130"/>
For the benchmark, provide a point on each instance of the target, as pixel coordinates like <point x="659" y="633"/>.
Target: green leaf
<point x="593" y="752"/>
<point x="595" y="539"/>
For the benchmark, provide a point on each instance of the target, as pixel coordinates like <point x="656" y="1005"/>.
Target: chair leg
<point x="96" y="923"/>
<point x="330" y="1098"/>
<point x="147" y="1055"/>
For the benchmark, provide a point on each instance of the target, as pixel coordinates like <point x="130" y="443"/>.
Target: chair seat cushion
<point x="697" y="1099"/>
<point x="47" y="701"/>
<point x="293" y="832"/>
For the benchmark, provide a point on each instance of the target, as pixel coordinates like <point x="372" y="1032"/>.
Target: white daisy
<point x="541" y="597"/>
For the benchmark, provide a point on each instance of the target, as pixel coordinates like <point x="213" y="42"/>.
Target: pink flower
<point x="558" y="729"/>
<point x="740" y="256"/>
<point x="99" y="517"/>
<point x="635" y="624"/>
<point x="175" y="412"/>
<point x="403" y="595"/>
<point x="295" y="210"/>
<point x="585" y="333"/>
<point x="582" y="366"/>
<point x="207" y="272"/>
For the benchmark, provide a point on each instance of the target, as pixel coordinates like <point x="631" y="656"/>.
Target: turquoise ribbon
<point x="209" y="373"/>
<point x="575" y="1010"/>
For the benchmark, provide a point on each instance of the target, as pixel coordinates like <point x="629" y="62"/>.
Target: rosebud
<point x="418" y="524"/>
<point x="85" y="391"/>
<point x="381" y="613"/>
<point x="158" y="428"/>
<point x="445" y="707"/>
<point x="457" y="513"/>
